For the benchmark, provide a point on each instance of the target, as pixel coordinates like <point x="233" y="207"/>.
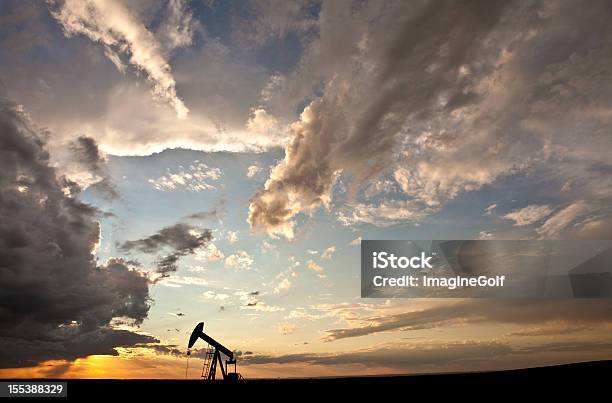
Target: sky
<point x="164" y="163"/>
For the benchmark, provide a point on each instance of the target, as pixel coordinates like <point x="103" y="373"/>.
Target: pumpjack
<point x="213" y="356"/>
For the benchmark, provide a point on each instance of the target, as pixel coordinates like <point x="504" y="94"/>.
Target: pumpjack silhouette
<point x="212" y="356"/>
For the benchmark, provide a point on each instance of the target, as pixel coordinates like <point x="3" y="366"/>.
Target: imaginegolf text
<point x="385" y="260"/>
<point x="443" y="282"/>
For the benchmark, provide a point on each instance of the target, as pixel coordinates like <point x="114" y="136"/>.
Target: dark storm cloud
<point x="98" y="342"/>
<point x="87" y="153"/>
<point x="518" y="312"/>
<point x="182" y="239"/>
<point x="178" y="236"/>
<point x="56" y="302"/>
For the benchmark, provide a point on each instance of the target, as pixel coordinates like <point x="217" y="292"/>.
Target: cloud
<point x="195" y="178"/>
<point x="215" y="213"/>
<point x="312" y="265"/>
<point x="425" y="355"/>
<point x="283" y="286"/>
<point x="215" y="296"/>
<point x="595" y="228"/>
<point x="485" y="235"/>
<point x="529" y="215"/>
<point x="262" y="306"/>
<point x="383" y="214"/>
<point x="250" y="301"/>
<point x="182" y="239"/>
<point x="85" y="150"/>
<point x="380" y="187"/>
<point x="209" y="253"/>
<point x="442" y="99"/>
<point x="239" y="260"/>
<point x="112" y="24"/>
<point x="294" y="185"/>
<point x="327" y="253"/>
<point x="553" y="330"/>
<point x="219" y="86"/>
<point x="23" y="352"/>
<point x="273" y="20"/>
<point x="489" y="209"/>
<point x="178" y="27"/>
<point x="348" y="129"/>
<point x="21" y="28"/>
<point x="356" y="241"/>
<point x="57" y="302"/>
<point x="164" y="349"/>
<point x="286" y="328"/>
<point x="397" y="355"/>
<point x="560" y="220"/>
<point x="206" y="215"/>
<point x="253" y="170"/>
<point x="262" y="122"/>
<point x="268" y="247"/>
<point x="179" y="281"/>
<point x="519" y="312"/>
<point x="232" y="236"/>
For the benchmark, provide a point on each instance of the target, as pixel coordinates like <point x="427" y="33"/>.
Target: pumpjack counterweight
<point x="213" y="356"/>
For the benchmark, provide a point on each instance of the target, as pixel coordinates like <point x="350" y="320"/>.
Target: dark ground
<point x="591" y="380"/>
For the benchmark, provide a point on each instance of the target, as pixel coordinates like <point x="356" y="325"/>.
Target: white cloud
<point x="194" y="178"/>
<point x="215" y="296"/>
<point x="112" y="24"/>
<point x="380" y="186"/>
<point x="275" y="82"/>
<point x="553" y="226"/>
<point x="356" y="241"/>
<point x="268" y="247"/>
<point x="274" y="207"/>
<point x="312" y="265"/>
<point x="489" y="210"/>
<point x="283" y="286"/>
<point x="386" y="213"/>
<point x="262" y="122"/>
<point x="283" y="281"/>
<point x="240" y="260"/>
<point x="262" y="306"/>
<point x="208" y="253"/>
<point x="232" y="236"/>
<point x="178" y="27"/>
<point x="178" y="281"/>
<point x="485" y="235"/>
<point x="529" y="215"/>
<point x="327" y="253"/>
<point x="293" y="264"/>
<point x="286" y="328"/>
<point x="253" y="170"/>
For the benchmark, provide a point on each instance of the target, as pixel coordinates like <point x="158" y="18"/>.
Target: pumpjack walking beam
<point x="198" y="333"/>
